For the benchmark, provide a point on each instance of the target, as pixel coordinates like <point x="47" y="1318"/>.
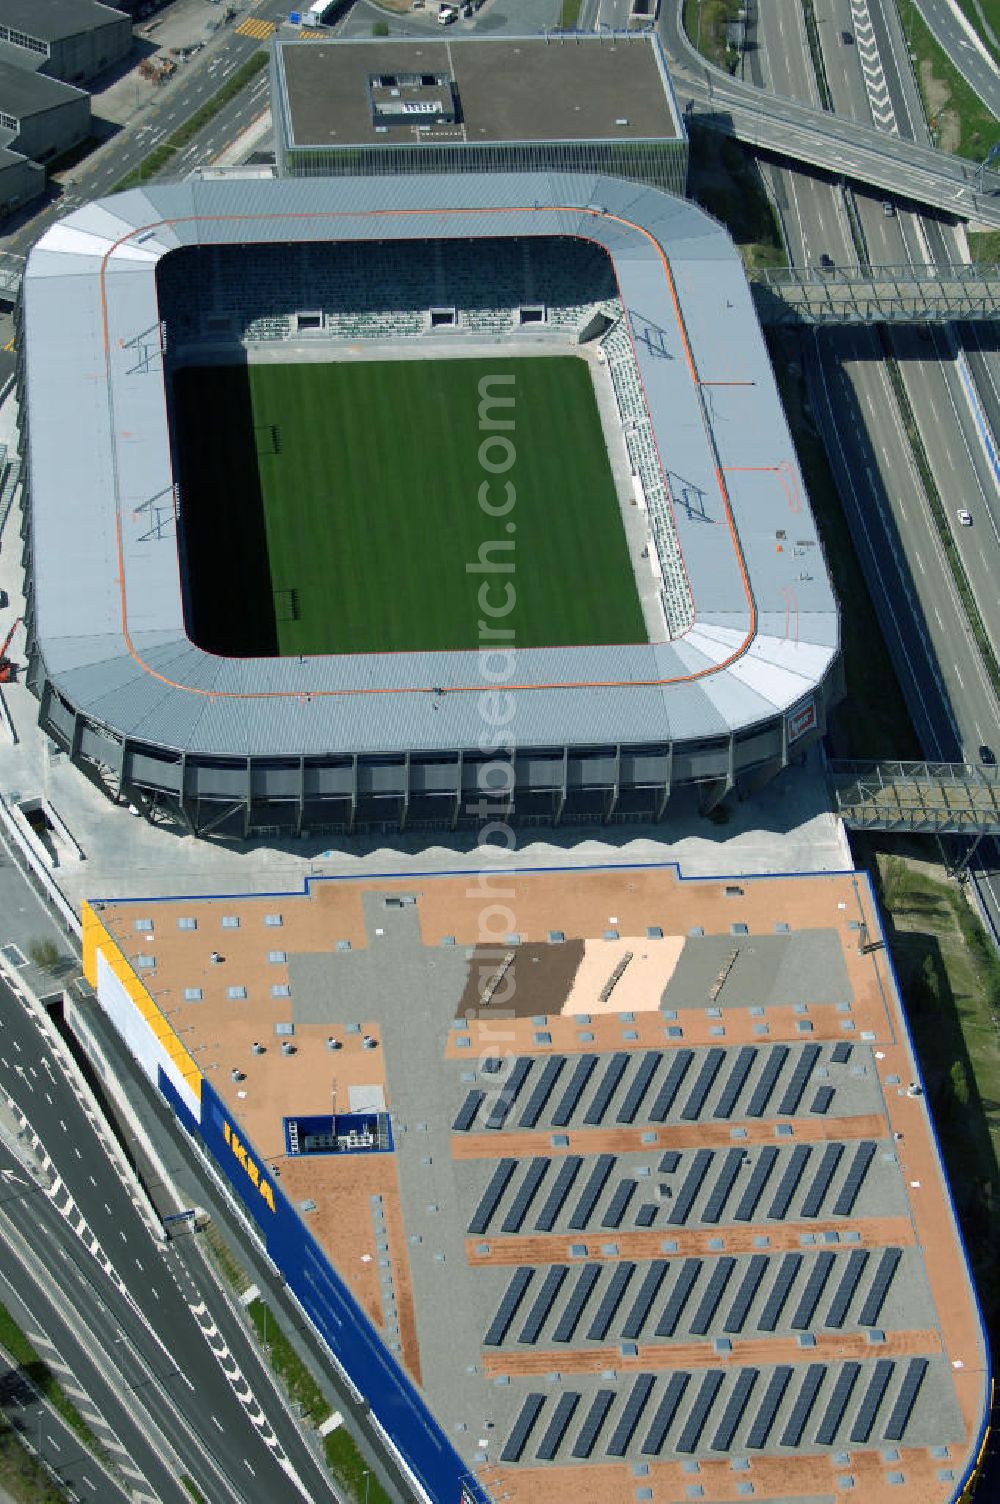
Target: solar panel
<point x="646" y="1215"/>
<point x="507" y="1309"/>
<point x="491" y="1065"/>
<point x="821" y="1180"/>
<point x="841" y="1053"/>
<point x="509" y="1093"/>
<point x="719" y="1195"/>
<point x="666" y="1410"/>
<point x="821" y="1101"/>
<point x="678" y="1299"/>
<point x="749" y="1286"/>
<point x="582" y="1072"/>
<point x="467" y="1112"/>
<point x="664" y="1099"/>
<point x="710" y="1068"/>
<point x="779" y="1293"/>
<point x="789" y="1104"/>
<point x="787" y="1185"/>
<point x="773" y="1395"/>
<point x="735" y="1082"/>
<point x="669" y="1161"/>
<point x="631" y="1415"/>
<point x="618" y="1205"/>
<point x="815" y="1285"/>
<point x="804" y="1402"/>
<point x="584" y="1208"/>
<point x="757" y="1105"/>
<point x="826" y="1431"/>
<point x="611" y="1300"/>
<point x="643" y="1303"/>
<point x="872" y="1307"/>
<point x="536" y="1173"/>
<point x="864" y="1421"/>
<point x="551" y="1207"/>
<point x="759" y="1176"/>
<point x="863" y="1156"/>
<point x="629" y="1109"/>
<point x="499" y="1181"/>
<point x="596" y="1416"/>
<point x="906" y="1399"/>
<point x="849" y="1281"/>
<point x="543" y="1302"/>
<point x="523" y="1427"/>
<point x="692" y="1185"/>
<point x="714" y="1291"/>
<point x="558" y="1426"/>
<point x="735" y="1406"/>
<point x="609" y="1085"/>
<point x="695" y="1423"/>
<point x="582" y="1291"/>
<point x="542" y="1090"/>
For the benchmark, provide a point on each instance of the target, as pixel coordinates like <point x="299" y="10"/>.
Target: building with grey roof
<point x="738" y="685"/>
<point x="72" y="40"/>
<point x="21" y="180"/>
<point x="478" y="104"/>
<point x="39" y="116"/>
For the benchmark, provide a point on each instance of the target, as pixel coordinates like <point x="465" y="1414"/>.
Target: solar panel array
<point x="541" y="1091"/>
<point x="632" y="1101"/>
<point x="731" y="1167"/>
<point x="821" y="1180"/>
<point x="710" y="1067"/>
<point x="789" y="1104"/>
<point x="508" y="1308"/>
<point x="568" y="1322"/>
<point x="611" y="1300"/>
<point x="872" y="1308"/>
<point x="582" y="1072"/>
<point x="692" y="1185"/>
<point x="561" y="1187"/>
<point x="500" y="1179"/>
<point x="735" y="1081"/>
<point x="527" y="1191"/>
<point x="824" y="1405"/>
<point x="610" y="1081"/>
<point x="584" y="1209"/>
<point x="508" y="1093"/>
<point x="543" y="1303"/>
<point x="863" y="1156"/>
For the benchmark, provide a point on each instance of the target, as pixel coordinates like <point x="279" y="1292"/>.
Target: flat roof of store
<point x="769" y="1003"/>
<point x="511" y="89"/>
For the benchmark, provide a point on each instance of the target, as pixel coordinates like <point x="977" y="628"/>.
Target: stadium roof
<point x="54" y="20"/>
<point x="108" y="617"/>
<point x="583" y="90"/>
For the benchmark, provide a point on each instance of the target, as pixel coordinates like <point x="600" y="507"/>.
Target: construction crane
<point x="8" y="670"/>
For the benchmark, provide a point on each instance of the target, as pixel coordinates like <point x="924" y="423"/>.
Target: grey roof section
<point x="24" y="93"/>
<point x="112" y="635"/>
<point x="54" y="20"/>
<point x="584" y="90"/>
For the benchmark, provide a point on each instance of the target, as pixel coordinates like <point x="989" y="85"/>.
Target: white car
<point x="446" y="15"/>
<point x="964" y="517"/>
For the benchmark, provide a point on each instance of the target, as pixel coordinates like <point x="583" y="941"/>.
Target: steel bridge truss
<point x="924" y="798"/>
<point x="880" y="294"/>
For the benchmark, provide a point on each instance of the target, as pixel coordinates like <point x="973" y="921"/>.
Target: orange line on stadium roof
<point x="287" y="694"/>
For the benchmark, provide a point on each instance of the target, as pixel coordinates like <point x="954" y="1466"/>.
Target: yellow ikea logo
<point x="252" y="1168"/>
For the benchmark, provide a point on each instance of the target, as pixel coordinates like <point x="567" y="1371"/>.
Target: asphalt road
<point x="979" y="72"/>
<point x="150" y="1314"/>
<point x="820" y="139"/>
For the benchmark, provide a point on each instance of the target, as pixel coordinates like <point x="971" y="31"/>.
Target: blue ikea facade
<point x="370" y="1368"/>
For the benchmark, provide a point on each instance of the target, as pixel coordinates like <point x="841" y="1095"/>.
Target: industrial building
<point x="39" y="116"/>
<point x="72" y="40"/>
<point x="738" y="685"/>
<point x="484" y="104"/>
<point x="628" y="1190"/>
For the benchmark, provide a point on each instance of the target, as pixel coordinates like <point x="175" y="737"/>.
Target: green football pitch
<point x="335" y="508"/>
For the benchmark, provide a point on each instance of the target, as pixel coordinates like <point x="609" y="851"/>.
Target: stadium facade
<point x="740" y="684"/>
<point x="585" y="103"/>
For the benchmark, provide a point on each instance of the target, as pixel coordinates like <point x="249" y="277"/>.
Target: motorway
<point x="148" y="1337"/>
<point x="973" y="61"/>
<point x="952" y="703"/>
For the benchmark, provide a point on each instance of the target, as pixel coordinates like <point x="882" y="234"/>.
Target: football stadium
<point x="412" y="502"/>
<point x="636" y="1199"/>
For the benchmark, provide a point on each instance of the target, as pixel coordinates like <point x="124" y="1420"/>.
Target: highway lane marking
<point x="217" y="1422"/>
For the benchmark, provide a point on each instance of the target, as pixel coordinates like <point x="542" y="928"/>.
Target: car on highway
<point x="888" y="208"/>
<point x="826" y="262"/>
<point x="964" y="517"/>
<point x="847" y="39"/>
<point x="987" y="756"/>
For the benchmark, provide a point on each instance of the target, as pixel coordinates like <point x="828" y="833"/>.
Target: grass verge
<point x="21" y="1476"/>
<point x="873" y="718"/>
<point x="569" y="14"/>
<point x="232" y="1272"/>
<point x="41" y="1376"/>
<point x="984" y="246"/>
<point x="705" y="22"/>
<point x="949" y="975"/>
<point x="343" y="1458"/>
<point x="958" y="119"/>
<point x="725" y="180"/>
<point x="159" y="157"/>
<point x="191" y="1487"/>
